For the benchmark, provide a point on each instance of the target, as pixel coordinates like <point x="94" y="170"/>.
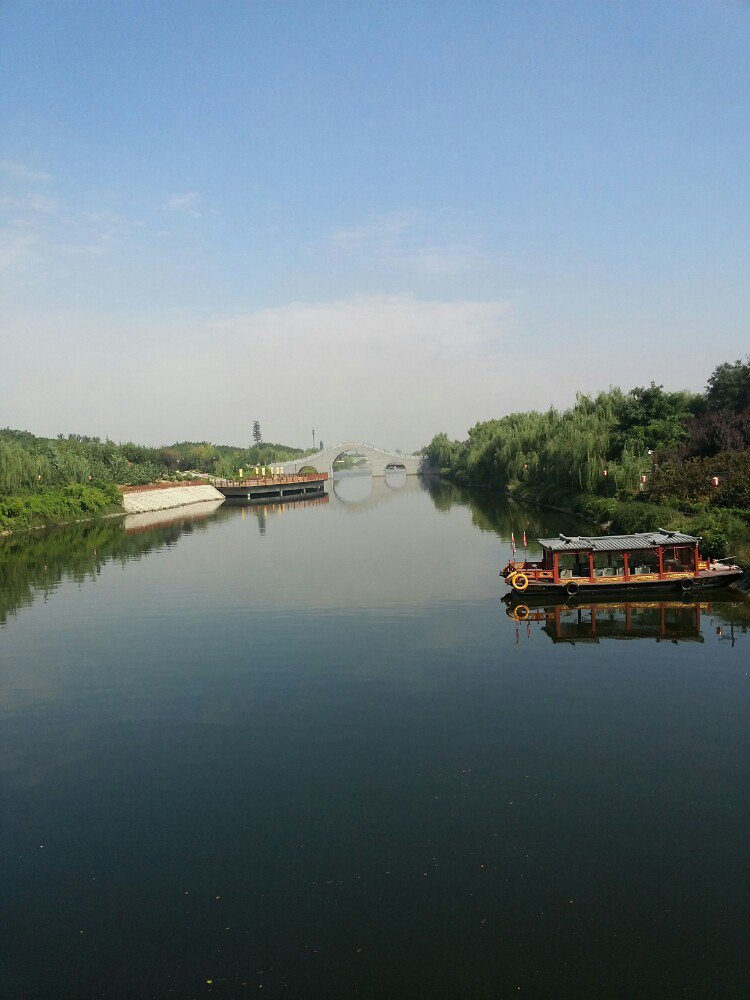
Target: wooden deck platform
<point x="268" y="488"/>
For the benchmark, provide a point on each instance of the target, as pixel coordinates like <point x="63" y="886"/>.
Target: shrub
<point x="50" y="506"/>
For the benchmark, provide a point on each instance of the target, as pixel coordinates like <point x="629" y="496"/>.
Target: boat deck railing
<point x="532" y="570"/>
<point x="536" y="571"/>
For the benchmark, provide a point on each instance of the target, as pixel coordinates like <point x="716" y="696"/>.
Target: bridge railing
<point x="340" y="449"/>
<point x="372" y="447"/>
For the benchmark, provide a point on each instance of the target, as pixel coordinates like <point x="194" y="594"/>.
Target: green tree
<point x="728" y="387"/>
<point x="651" y="418"/>
<point x="441" y="452"/>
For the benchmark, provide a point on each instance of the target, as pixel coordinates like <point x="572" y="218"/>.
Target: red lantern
<point x="714" y="480"/>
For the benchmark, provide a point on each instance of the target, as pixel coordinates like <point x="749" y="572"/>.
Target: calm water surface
<point x="308" y="752"/>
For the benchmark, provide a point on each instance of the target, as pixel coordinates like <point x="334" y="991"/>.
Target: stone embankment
<point x="164" y="496"/>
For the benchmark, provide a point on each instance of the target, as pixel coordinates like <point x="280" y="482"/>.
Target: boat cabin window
<point x="643" y="561"/>
<point x="572" y="564"/>
<point x="609" y="564"/>
<point x="679" y="559"/>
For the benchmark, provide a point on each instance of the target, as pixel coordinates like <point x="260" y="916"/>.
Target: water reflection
<point x="352" y="485"/>
<point x="34" y="564"/>
<point x="500" y="515"/>
<point x="326" y="756"/>
<point x="260" y="512"/>
<point x="176" y="517"/>
<point x="395" y="480"/>
<point x="435" y="559"/>
<point x="357" y="491"/>
<point x="664" y="621"/>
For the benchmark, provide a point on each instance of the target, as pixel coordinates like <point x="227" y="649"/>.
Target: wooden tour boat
<point x="647" y="562"/>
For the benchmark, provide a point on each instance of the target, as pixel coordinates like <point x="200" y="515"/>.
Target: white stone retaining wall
<point x="140" y="501"/>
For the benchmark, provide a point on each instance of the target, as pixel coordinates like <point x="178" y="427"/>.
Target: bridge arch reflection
<point x="353" y="488"/>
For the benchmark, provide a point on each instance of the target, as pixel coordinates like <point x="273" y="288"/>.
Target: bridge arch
<point x="351" y="461"/>
<point x="395" y="478"/>
<point x="378" y="458"/>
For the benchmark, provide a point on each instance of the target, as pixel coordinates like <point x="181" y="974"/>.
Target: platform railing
<point x="287" y="477"/>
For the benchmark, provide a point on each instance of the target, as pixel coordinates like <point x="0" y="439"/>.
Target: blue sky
<point x="383" y="220"/>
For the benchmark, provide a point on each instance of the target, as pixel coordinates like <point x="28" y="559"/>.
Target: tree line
<point x="29" y="463"/>
<point x="53" y="480"/>
<point x="691" y="447"/>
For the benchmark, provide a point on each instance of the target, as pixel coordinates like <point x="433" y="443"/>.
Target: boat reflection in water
<point x="260" y="512"/>
<point x="664" y="621"/>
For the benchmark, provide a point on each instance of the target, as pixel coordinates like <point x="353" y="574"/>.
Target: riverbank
<point x="165" y="496"/>
<point x="78" y="502"/>
<point x="42" y="508"/>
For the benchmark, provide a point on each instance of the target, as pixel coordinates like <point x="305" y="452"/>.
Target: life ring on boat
<point x="520" y="581"/>
<point x="686" y="584"/>
<point x="572" y="588"/>
<point x="521" y="613"/>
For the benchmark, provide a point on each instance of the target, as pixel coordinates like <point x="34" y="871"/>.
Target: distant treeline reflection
<point x="493" y="511"/>
<point x="35" y="564"/>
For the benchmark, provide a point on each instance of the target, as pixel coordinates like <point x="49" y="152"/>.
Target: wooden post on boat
<point x="696" y="559"/>
<point x="591" y="567"/>
<point x="660" y="552"/>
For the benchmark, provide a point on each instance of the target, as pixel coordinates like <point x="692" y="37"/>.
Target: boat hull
<point x="706" y="580"/>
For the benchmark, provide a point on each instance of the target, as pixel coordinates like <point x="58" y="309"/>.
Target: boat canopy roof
<point x="617" y="543"/>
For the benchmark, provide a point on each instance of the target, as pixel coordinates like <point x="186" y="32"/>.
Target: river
<point x="307" y="751"/>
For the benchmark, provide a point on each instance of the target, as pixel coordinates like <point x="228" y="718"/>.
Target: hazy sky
<point x="382" y="220"/>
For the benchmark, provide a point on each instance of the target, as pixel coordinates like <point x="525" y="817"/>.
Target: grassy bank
<point x="56" y="480"/>
<point x="57" y="505"/>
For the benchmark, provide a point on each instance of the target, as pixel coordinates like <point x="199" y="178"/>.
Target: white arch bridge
<point x="379" y="461"/>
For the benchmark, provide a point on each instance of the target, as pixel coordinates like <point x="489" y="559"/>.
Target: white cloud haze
<point x="186" y="202"/>
<point x="415" y="242"/>
<point x="20" y="172"/>
<point x="280" y="220"/>
<point x="392" y="369"/>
